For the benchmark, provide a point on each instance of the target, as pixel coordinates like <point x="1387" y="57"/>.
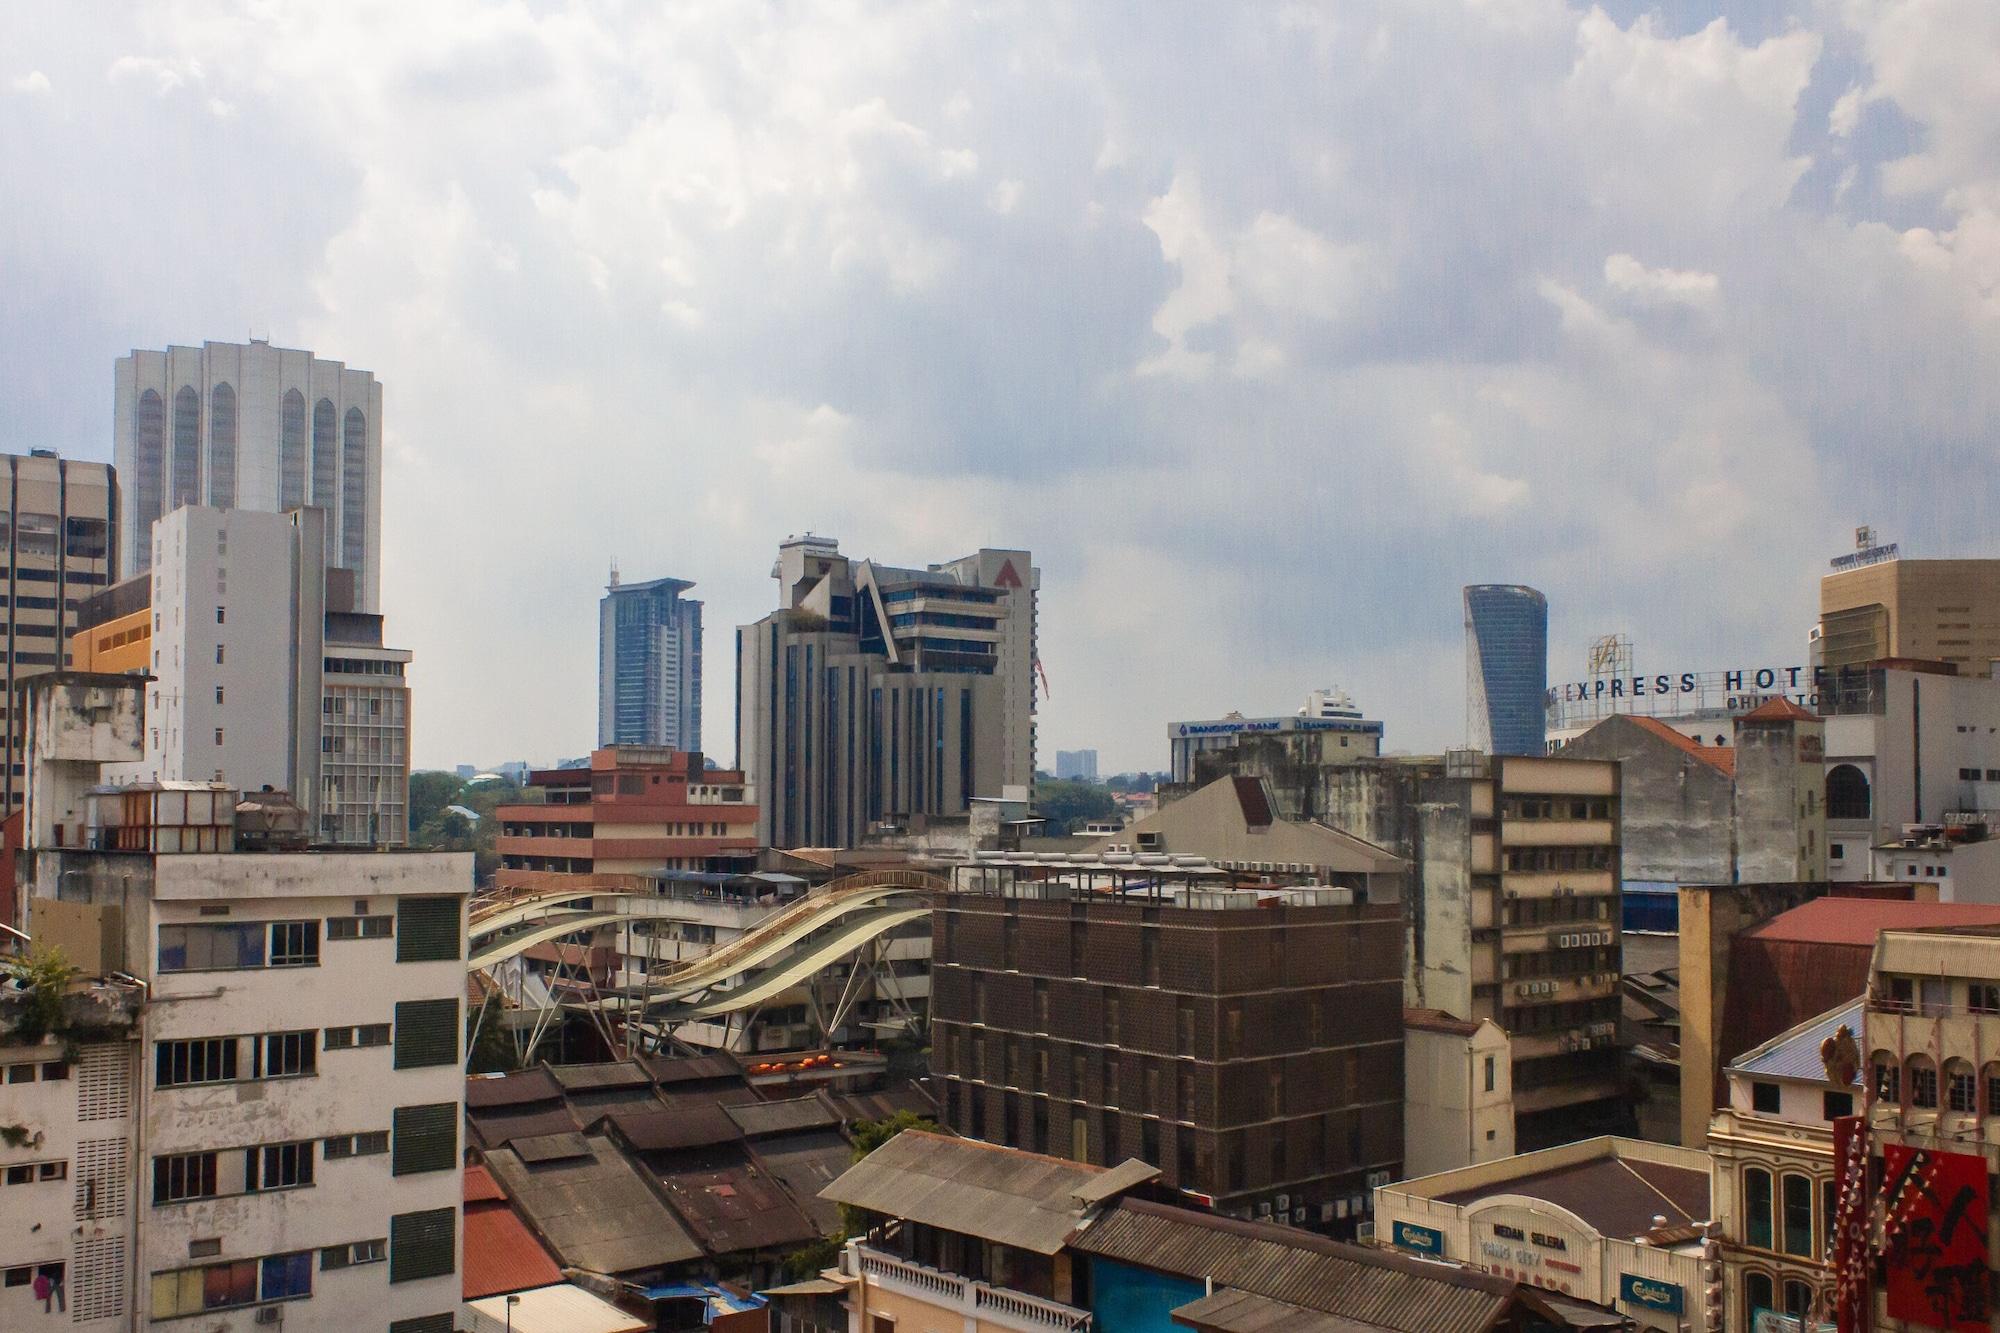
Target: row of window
<point x="1972" y="775"/>
<point x="1760" y="1292"/>
<point x="1561" y="858"/>
<point x="423" y="1035"/>
<point x="1936" y="997"/>
<point x="422" y="1139"/>
<point x="1787" y="1221"/>
<point x="50" y="1071"/>
<point x="429" y="933"/>
<point x="1556" y="807"/>
<point x="1916" y="1083"/>
<point x="419" y="1245"/>
<point x="29" y="1173"/>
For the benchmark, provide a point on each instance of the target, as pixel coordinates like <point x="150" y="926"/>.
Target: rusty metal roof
<point x="596" y="1211"/>
<point x="807" y="1163"/>
<point x="799" y="1113"/>
<point x="1233" y="1311"/>
<point x="1372" y="1287"/>
<point x="527" y="1085"/>
<point x="1619" y="1196"/>
<point x="1016" y="1198"/>
<point x="732" y="1207"/>
<point x="600" y="1078"/>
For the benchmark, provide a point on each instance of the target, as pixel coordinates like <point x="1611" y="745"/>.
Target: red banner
<point x="1934" y="1232"/>
<point x="1851" y="1259"/>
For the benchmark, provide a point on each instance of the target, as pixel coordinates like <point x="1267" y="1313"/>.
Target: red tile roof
<point x="501" y="1254"/>
<point x="1779" y="710"/>
<point x="1721" y="758"/>
<point x="1437" y="1020"/>
<point x="1856" y="921"/>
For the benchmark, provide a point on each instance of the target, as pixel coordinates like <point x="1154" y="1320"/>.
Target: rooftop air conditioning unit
<point x="1284" y="1203"/>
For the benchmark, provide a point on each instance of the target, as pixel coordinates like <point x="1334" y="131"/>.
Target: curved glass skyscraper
<point x="1506" y="667"/>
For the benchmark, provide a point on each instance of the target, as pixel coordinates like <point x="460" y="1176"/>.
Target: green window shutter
<point x="420" y="1244"/>
<point x="427" y="930"/>
<point x="425" y="1323"/>
<point x="426" y="1033"/>
<point x="425" y="1139"/>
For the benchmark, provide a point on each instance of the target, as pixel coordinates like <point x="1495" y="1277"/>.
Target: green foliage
<point x="487" y="1049"/>
<point x="435" y="827"/>
<point x="1067" y="806"/>
<point x="811" y="1260"/>
<point x="45" y="977"/>
<point x="1135" y="782"/>
<point x="872" y="1134"/>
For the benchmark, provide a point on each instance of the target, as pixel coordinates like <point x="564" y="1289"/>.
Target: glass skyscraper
<point x="1506" y="668"/>
<point x="649" y="665"/>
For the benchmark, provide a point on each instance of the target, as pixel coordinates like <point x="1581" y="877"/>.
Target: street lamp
<point x="512" y="1301"/>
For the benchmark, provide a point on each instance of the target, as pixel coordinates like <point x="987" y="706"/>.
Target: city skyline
<point x="1402" y="371"/>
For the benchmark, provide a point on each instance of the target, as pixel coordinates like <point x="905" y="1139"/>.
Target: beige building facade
<point x="1458" y="1092"/>
<point x="1931" y="610"/>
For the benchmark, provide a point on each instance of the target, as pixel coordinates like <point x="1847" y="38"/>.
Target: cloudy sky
<point x="1265" y="326"/>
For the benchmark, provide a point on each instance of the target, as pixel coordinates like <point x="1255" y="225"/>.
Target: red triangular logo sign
<point x="1008" y="578"/>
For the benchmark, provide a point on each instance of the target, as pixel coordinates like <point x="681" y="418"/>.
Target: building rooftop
<point x="1795" y="1054"/>
<point x="1015" y="1198"/>
<point x="1616" y="1194"/>
<point x="1721" y="758"/>
<point x="1437" y="1020"/>
<point x="560" y="1308"/>
<point x="1857" y="921"/>
<point x="592" y="1204"/>
<point x="1779" y="710"/>
<point x="1376" y="1289"/>
<point x="501" y="1254"/>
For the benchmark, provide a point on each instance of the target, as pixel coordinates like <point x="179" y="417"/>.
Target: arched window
<point x="1920" y="1072"/>
<point x="1989" y="1083"/>
<point x="1888" y="1078"/>
<point x="1829" y="1203"/>
<point x="292" y="452"/>
<point x="1798" y="1299"/>
<point x="326" y="458"/>
<point x="1961" y="1087"/>
<point x="1846" y="793"/>
<point x="1757" y="1295"/>
<point x="222" y="447"/>
<point x="1757" y="1207"/>
<point x="353" y="489"/>
<point x="149" y="486"/>
<point x="1798" y="1215"/>
<point x="187" y="448"/>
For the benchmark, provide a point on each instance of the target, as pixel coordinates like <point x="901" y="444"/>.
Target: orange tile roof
<point x="1721" y="758"/>
<point x="501" y="1254"/>
<point x="1856" y="921"/>
<point x="1779" y="710"/>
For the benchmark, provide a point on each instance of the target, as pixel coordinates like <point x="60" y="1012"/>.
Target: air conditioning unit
<point x="1264" y="1208"/>
<point x="1377" y="1179"/>
<point x="271" y="1315"/>
<point x="1298" y="1217"/>
<point x="1326" y="1211"/>
<point x="1284" y="1203"/>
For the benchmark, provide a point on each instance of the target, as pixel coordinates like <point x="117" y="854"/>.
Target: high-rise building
<point x="264" y="673"/>
<point x="272" y="1121"/>
<point x="1506" y="667"/>
<point x="649" y="665"/>
<point x="1878" y="605"/>
<point x="58" y="549"/>
<point x="1332" y="714"/>
<point x="1076" y="765"/>
<point x="251" y="426"/>
<point x="879" y="696"/>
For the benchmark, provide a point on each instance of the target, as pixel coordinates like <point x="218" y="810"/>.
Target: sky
<point x="1264" y="326"/>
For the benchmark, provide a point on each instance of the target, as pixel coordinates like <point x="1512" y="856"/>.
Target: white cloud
<point x="34" y="81"/>
<point x="1651" y="286"/>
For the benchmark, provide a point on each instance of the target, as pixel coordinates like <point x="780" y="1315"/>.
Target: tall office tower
<point x="264" y="673"/>
<point x="882" y="696"/>
<point x="649" y="665"/>
<point x="265" y="1132"/>
<point x="251" y="426"/>
<point x="1506" y="668"/>
<point x="58" y="549"/>
<point x="1876" y="605"/>
<point x="1076" y="765"/>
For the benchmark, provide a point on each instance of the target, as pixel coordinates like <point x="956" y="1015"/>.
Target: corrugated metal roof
<point x="799" y="1113"/>
<point x="697" y="1123"/>
<point x="496" y="1129"/>
<point x="807" y="1163"/>
<point x="734" y="1207"/>
<point x="597" y="1212"/>
<point x="501" y="1254"/>
<point x="1857" y="921"/>
<point x="1795" y="1054"/>
<point x="527" y="1085"/>
<point x="1232" y="1311"/>
<point x="693" y="1068"/>
<point x="1619" y="1196"/>
<point x="595" y="1078"/>
<point x="1016" y="1198"/>
<point x="1371" y="1286"/>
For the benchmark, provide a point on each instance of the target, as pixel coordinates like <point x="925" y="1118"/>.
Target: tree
<point x="868" y="1136"/>
<point x="431" y="791"/>
<point x="1067" y="806"/>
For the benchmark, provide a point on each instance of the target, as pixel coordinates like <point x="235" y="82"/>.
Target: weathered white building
<point x="294" y="1112"/>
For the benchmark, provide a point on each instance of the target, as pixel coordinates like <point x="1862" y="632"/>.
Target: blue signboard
<point x="1424" y="1240"/>
<point x="1651" y="1294"/>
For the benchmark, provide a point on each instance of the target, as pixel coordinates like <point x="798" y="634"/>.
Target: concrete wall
<point x="1780" y="809"/>
<point x="1450" y="1120"/>
<point x="1439" y="975"/>
<point x="1676" y="811"/>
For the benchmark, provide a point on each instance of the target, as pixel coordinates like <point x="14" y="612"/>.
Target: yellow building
<point x="119" y="645"/>
<point x="1936" y="610"/>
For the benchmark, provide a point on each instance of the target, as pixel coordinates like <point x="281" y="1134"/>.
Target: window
<point x="425" y="1139"/>
<point x="207" y="948"/>
<point x="287" y="1054"/>
<point x="1888" y="1078"/>
<point x="1834" y="1105"/>
<point x="218" y="735"/>
<point x="1764" y="1098"/>
<point x="360" y="927"/>
<point x="1799" y="1215"/>
<point x="370" y="1144"/>
<point x="55" y="1071"/>
<point x="420" y="1245"/>
<point x="294" y="943"/>
<point x="52" y="1171"/>
<point x="287" y="1276"/>
<point x="186" y="1291"/>
<point x="1961" y="1088"/>
<point x="357" y="1252"/>
<point x="221" y="615"/>
<point x="1923" y="1083"/>
<point x="1757" y="1295"/>
<point x="368" y="1034"/>
<point x="218" y="654"/>
<point x="427" y="1033"/>
<point x="20" y="1073"/>
<point x="201" y="1060"/>
<point x="1847" y="793"/>
<point x="183" y="1176"/>
<point x="218" y="695"/>
<point x="21" y="1175"/>
<point x="1757" y="1207"/>
<point x="278" y="1166"/>
<point x="1984" y="997"/>
<point x="1491" y="1072"/>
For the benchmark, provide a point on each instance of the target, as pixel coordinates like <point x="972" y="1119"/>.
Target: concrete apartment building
<point x="60" y="547"/>
<point x="1076" y="765"/>
<point x="1330" y="714"/>
<point x="264" y="674"/>
<point x="251" y="426"/>
<point x="283" y="1133"/>
<point x="1513" y="908"/>
<point x="876" y="697"/>
<point x="635" y="810"/>
<point x="1247" y="1042"/>
<point x="1928" y="610"/>
<point x="649" y="665"/>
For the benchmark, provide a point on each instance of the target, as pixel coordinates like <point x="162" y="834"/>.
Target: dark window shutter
<point x="426" y="1138"/>
<point x="427" y="930"/>
<point x="420" y="1244"/>
<point x="426" y="1033"/>
<point x="423" y="1323"/>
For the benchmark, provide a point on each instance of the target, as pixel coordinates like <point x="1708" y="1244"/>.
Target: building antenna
<point x="614" y="571"/>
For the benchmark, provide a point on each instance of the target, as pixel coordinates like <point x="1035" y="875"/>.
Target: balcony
<point x="975" y="1303"/>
